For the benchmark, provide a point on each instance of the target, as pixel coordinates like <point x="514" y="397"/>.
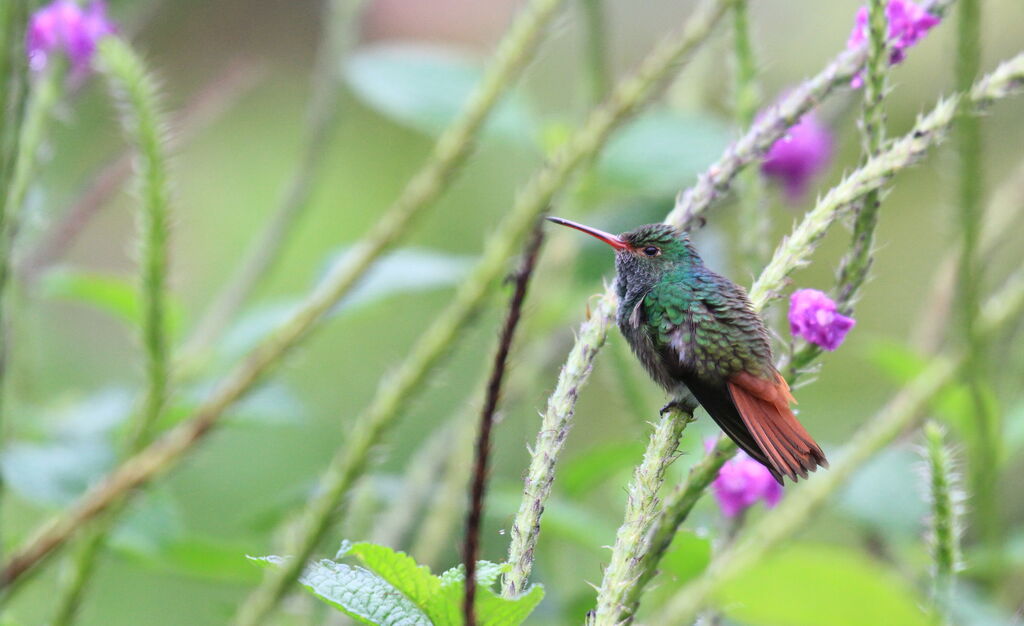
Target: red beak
<point x="610" y="239"/>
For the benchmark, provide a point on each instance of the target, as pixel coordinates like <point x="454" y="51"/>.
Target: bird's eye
<point x="652" y="251"/>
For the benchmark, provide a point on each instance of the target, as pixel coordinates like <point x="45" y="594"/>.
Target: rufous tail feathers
<point x="764" y="406"/>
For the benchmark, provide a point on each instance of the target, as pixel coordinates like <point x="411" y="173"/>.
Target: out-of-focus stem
<point x="599" y="77"/>
<point x="944" y="525"/>
<point x="321" y="117"/>
<point x="901" y="413"/>
<point x="753" y="217"/>
<point x="970" y="182"/>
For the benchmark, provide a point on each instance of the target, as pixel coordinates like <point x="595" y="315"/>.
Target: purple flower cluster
<point x="797" y="158"/>
<point x="63" y="26"/>
<point x="908" y="24"/>
<point x="813" y="316"/>
<point x="741" y="482"/>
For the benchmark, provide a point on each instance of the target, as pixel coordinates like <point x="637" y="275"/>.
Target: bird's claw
<point x="685" y="405"/>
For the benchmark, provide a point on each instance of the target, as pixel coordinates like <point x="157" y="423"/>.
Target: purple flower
<point x="795" y="159"/>
<point x="741" y="482"/>
<point x="908" y="24"/>
<point x="63" y="26"/>
<point x="812" y="315"/>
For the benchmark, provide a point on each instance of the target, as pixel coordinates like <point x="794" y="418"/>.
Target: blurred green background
<point x="179" y="559"/>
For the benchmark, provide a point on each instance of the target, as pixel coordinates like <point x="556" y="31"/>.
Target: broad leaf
<point x="426" y="87"/>
<point x="687" y="557"/>
<point x="597" y="465"/>
<point x="397" y="568"/>
<point x="114" y="295"/>
<point x="810" y="585"/>
<point x="54" y="474"/>
<point x="357" y="592"/>
<point x="661" y="152"/>
<point x="886" y="494"/>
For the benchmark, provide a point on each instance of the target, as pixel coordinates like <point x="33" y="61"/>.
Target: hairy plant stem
<point x="970" y="180"/>
<point x="687" y="213"/>
<point x="641" y="508"/>
<point x="352" y="459"/>
<point x="450" y="151"/>
<point x="945" y="522"/>
<point x="753" y="216"/>
<point x="792" y="253"/>
<point x="901" y="413"/>
<point x="340" y="19"/>
<point x="135" y="93"/>
<point x="475" y="514"/>
<point x="31" y="112"/>
<point x="598" y="72"/>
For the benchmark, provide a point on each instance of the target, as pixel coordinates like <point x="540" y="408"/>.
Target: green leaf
<point x="885" y="493"/>
<point x="54" y="474"/>
<point x="661" y="152"/>
<point x="399" y="569"/>
<point x="358" y="592"/>
<point x="597" y="465"/>
<point x="810" y="585"/>
<point x="200" y="558"/>
<point x="114" y="295"/>
<point x="393" y="579"/>
<point x="687" y="557"/>
<point x="426" y="87"/>
<point x="402" y="271"/>
<point x="563" y="518"/>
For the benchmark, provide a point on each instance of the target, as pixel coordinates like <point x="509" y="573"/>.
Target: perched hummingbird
<point x="695" y="332"/>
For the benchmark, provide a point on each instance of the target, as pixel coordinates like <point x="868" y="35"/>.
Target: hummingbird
<point x="698" y="336"/>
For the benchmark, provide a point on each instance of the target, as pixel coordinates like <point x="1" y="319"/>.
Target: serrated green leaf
<point x="494" y="610"/>
<point x="445" y="609"/>
<point x="810" y="585"/>
<point x="399" y="569"/>
<point x="426" y="87"/>
<point x="357" y="592"/>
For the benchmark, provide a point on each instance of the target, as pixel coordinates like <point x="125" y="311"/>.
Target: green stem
<point x="322" y="116"/>
<point x="352" y="459"/>
<point x="450" y="151"/>
<point x="753" y="216"/>
<point x="596" y="36"/>
<point x="641" y="510"/>
<point x="945" y="524"/>
<point x="136" y="95"/>
<point x="984" y="477"/>
<point x="901" y="413"/>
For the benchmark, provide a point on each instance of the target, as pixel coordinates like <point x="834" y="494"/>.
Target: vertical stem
<point x="754" y="219"/>
<point x="945" y="523"/>
<point x="474" y="517"/>
<point x="596" y="35"/>
<point x="631" y="540"/>
<point x="135" y="94"/>
<point x="17" y="173"/>
<point x="967" y="137"/>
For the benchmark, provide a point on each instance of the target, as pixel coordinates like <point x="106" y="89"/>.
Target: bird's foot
<point x="687" y="404"/>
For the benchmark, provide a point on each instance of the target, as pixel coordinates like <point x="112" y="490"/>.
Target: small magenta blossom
<point x="908" y="24"/>
<point x="813" y="316"/>
<point x="795" y="159"/>
<point x="63" y="26"/>
<point x="741" y="482"/>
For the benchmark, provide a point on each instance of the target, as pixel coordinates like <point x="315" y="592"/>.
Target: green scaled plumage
<point x="697" y="335"/>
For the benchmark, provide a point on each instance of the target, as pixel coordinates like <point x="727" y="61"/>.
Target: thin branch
<point x="902" y="412"/>
<point x="474" y="516"/>
<point x="451" y="149"/>
<point x="599" y="76"/>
